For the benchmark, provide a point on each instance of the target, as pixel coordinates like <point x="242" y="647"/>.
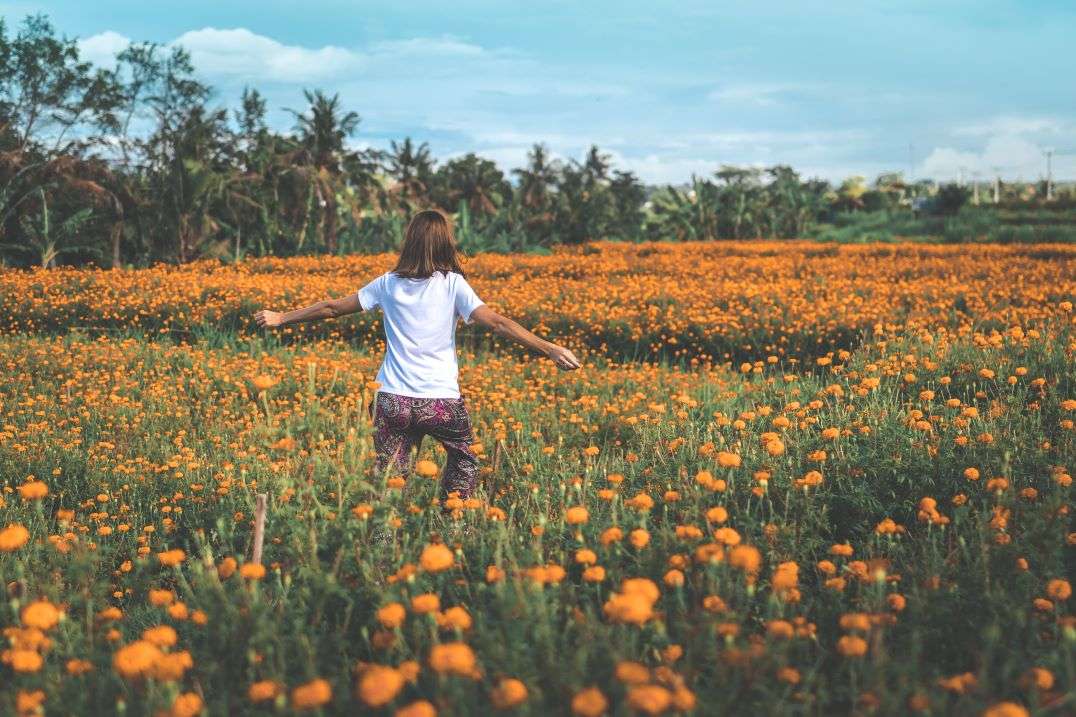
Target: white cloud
<point x="101" y="49"/>
<point x="246" y="56"/>
<point x="759" y="95"/>
<point x="1009" y="125"/>
<point x="1009" y="155"/>
<point x="427" y="46"/>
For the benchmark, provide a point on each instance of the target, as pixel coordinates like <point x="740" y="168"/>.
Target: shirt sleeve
<point x="466" y="300"/>
<point x="370" y="295"/>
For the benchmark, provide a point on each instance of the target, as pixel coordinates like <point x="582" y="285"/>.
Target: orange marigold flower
<point x="252" y="571"/>
<point x="264" y="690"/>
<point x="436" y="558"/>
<point x="227" y="568"/>
<point x="852" y="646"/>
<point x="576" y="515"/>
<point x="1006" y="709"/>
<point x="187" y="704"/>
<point x="171" y="558"/>
<point x="379" y="685"/>
<point x="632" y="673"/>
<point x="392" y="615"/>
<point x="726" y="459"/>
<point x="427" y="469"/>
<point x="456" y="658"/>
<point x="508" y="693"/>
<point x="34" y="490"/>
<point x="425" y="603"/>
<point x="161" y="636"/>
<point x="41" y="614"/>
<point x="136" y="659"/>
<point x="311" y="695"/>
<point x="589" y="703"/>
<point x="650" y="699"/>
<point x="1059" y="589"/>
<point x="13" y="537"/>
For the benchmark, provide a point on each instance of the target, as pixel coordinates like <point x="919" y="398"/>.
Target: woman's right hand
<point x="563" y="358"/>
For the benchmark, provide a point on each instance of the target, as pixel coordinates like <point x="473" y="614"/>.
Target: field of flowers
<point x="790" y="479"/>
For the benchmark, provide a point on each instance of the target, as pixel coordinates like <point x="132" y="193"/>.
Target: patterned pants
<point x="401" y="422"/>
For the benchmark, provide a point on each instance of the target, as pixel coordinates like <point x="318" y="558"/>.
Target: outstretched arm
<point x="504" y="326"/>
<point x="329" y="309"/>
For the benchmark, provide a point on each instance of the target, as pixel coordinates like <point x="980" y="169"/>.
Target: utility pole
<point x="1049" y="175"/>
<point x="997" y="184"/>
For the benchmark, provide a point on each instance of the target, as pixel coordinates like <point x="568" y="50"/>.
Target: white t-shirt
<point x="420" y="331"/>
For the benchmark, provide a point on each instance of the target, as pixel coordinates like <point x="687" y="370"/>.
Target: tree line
<point x="134" y="164"/>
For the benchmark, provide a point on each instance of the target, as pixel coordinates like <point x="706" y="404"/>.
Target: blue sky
<point x="831" y="87"/>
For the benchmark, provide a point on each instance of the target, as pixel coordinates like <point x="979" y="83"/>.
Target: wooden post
<point x="259" y="526"/>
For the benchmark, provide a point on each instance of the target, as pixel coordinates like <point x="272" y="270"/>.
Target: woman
<point x="419" y="395"/>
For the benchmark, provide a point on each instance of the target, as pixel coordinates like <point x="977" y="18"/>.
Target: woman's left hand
<point x="268" y="319"/>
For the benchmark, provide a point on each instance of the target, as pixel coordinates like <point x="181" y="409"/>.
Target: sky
<point x="938" y="89"/>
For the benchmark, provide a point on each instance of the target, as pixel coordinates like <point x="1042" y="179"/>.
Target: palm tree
<point x="322" y="132"/>
<point x="535" y="194"/>
<point x="412" y="168"/>
<point x="324" y="128"/>
<point x="473" y="181"/>
<point x="739" y="199"/>
<point x="536" y="179"/>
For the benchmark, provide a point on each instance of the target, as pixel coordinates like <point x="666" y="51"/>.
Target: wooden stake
<point x="259" y="526"/>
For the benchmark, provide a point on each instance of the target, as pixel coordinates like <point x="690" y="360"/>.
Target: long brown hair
<point x="428" y="247"/>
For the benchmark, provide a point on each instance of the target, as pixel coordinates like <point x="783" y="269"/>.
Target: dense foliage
<point x="134" y="164"/>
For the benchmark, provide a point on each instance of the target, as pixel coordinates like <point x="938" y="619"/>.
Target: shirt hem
<point x="414" y="394"/>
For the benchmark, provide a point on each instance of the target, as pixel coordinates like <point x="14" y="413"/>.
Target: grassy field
<point x="790" y="479"/>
